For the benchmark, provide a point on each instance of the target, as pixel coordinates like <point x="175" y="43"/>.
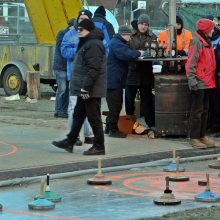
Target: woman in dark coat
<point x="88" y="83"/>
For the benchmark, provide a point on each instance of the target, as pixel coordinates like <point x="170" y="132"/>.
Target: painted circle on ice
<point x="7" y="148"/>
<point x="152" y="184"/>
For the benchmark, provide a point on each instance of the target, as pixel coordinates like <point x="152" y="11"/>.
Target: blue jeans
<point x="62" y="93"/>
<point x="87" y="128"/>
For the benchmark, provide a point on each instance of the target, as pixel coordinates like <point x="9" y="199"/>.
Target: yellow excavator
<point x="27" y="36"/>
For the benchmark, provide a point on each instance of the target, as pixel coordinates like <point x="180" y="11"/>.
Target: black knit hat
<point x="100" y="10"/>
<point x="179" y="20"/>
<point x="84" y="12"/>
<point x="87" y="24"/>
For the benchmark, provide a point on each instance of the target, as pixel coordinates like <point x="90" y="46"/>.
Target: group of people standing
<point x="92" y="62"/>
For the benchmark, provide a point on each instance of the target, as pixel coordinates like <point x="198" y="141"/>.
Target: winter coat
<point x="105" y="26"/>
<point x="68" y="49"/>
<point x="216" y="45"/>
<point x="200" y="66"/>
<point x="89" y="67"/>
<point x="141" y="72"/>
<point x="117" y="62"/>
<point x="59" y="62"/>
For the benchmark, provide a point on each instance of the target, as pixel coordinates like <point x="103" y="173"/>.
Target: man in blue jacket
<point x="117" y="67"/>
<point x="105" y="26"/>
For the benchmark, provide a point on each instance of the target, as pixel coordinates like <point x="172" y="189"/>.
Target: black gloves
<point x="84" y="94"/>
<point x="181" y="53"/>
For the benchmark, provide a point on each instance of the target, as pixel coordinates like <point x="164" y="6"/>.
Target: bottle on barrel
<point x="174" y="44"/>
<point x="154" y="49"/>
<point x="160" y="51"/>
<point x="164" y="49"/>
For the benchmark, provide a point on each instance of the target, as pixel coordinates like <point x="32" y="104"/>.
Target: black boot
<point x="117" y="134"/>
<point x="107" y="130"/>
<point x="65" y="144"/>
<point x="94" y="151"/>
<point x="78" y="142"/>
<point x="89" y="140"/>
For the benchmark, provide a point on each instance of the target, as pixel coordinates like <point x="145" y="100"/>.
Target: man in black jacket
<point x="88" y="83"/>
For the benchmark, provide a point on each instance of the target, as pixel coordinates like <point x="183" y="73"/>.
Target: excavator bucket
<point x="50" y="16"/>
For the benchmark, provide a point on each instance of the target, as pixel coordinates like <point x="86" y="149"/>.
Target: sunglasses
<point x="80" y="29"/>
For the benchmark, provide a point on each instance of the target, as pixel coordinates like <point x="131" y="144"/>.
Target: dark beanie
<point x="72" y="22"/>
<point x="87" y="24"/>
<point x="143" y="19"/>
<point x="100" y="10"/>
<point x="84" y="12"/>
<point x="205" y="25"/>
<point x="179" y="20"/>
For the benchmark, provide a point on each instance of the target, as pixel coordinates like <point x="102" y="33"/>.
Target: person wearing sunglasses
<point x="88" y="83"/>
<point x="68" y="50"/>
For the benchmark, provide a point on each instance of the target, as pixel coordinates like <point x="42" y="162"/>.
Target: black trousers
<point x="147" y="102"/>
<point x="198" y="113"/>
<point x="90" y="108"/>
<point x="114" y="100"/>
<point x="214" y="111"/>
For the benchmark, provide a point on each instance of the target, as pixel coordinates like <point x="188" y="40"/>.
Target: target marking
<point x="152" y="184"/>
<point x="13" y="149"/>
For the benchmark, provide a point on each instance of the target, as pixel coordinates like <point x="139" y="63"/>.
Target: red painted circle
<point x="152" y="184"/>
<point x="13" y="149"/>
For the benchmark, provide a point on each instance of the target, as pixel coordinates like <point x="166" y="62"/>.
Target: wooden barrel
<point x="172" y="104"/>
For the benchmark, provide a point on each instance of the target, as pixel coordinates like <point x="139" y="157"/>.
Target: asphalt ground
<point x="130" y="196"/>
<point x="26" y="132"/>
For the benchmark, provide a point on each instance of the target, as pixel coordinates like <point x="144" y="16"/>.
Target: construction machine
<point x="27" y="38"/>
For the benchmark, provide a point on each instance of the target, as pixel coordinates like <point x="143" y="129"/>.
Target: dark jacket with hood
<point x="106" y="27"/>
<point x="89" y="68"/>
<point x="140" y="73"/>
<point x="117" y="62"/>
<point x="59" y="62"/>
<point x="216" y="44"/>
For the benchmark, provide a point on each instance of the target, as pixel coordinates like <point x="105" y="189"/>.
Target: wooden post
<point x="33" y="84"/>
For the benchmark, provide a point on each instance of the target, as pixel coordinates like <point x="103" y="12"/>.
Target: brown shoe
<point x="208" y="142"/>
<point x="197" y="143"/>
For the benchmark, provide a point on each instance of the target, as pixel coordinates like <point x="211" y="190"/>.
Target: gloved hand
<point x="194" y="88"/>
<point x="181" y="53"/>
<point x="146" y="54"/>
<point x="84" y="94"/>
<point x="142" y="53"/>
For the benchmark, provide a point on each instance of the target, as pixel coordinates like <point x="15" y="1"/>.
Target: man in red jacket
<point x="200" y="71"/>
